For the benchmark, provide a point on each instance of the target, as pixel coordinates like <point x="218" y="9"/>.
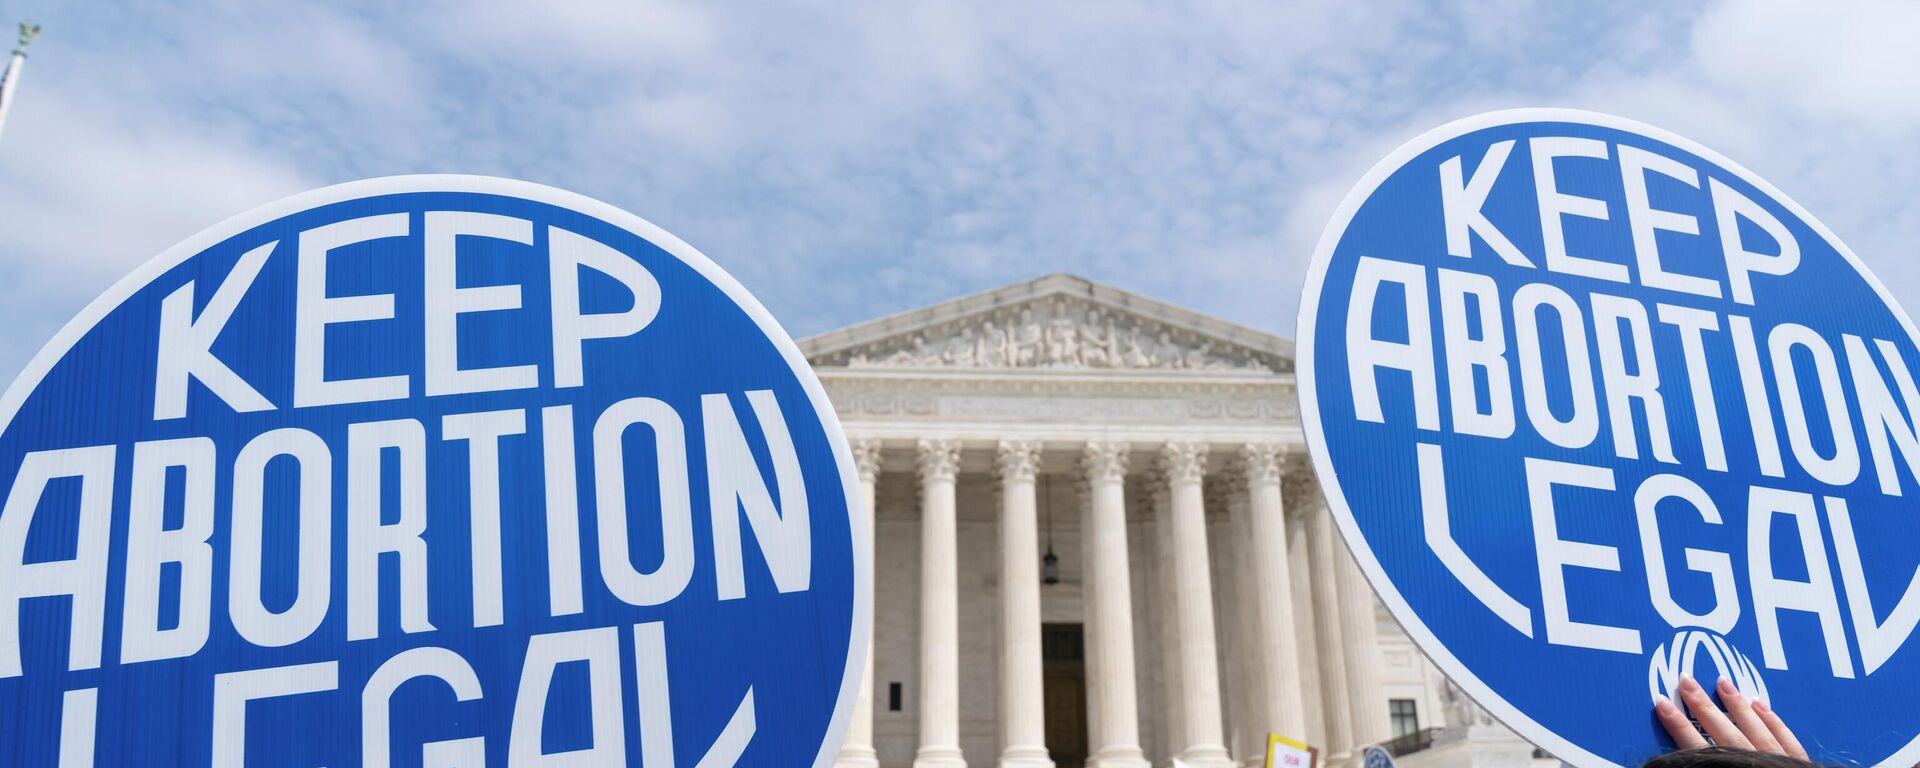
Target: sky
<point x="847" y="160"/>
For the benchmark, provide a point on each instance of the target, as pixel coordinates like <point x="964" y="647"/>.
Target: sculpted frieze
<point x="1059" y="333"/>
<point x="1064" y="409"/>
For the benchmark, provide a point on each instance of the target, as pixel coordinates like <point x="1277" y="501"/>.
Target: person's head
<point x="1726" y="757"/>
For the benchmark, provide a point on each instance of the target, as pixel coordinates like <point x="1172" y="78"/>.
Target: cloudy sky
<point x="849" y="159"/>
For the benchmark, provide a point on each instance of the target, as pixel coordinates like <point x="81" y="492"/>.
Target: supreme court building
<point x="1098" y="541"/>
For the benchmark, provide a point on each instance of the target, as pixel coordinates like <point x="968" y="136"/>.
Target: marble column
<point x="857" y="751"/>
<point x="939" y="609"/>
<point x="1275" y="653"/>
<point x="1109" y="592"/>
<point x="1023" y="732"/>
<point x="1184" y="465"/>
<point x="1165" y="618"/>
<point x="1359" y="627"/>
<point x="1242" y="680"/>
<point x="1329" y="646"/>
<point x="1090" y="613"/>
<point x="1305" y="634"/>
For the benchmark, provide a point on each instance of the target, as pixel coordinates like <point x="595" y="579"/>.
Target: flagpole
<point x="10" y="80"/>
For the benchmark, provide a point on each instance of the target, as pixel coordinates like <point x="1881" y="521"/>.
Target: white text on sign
<point x="383" y="465"/>
<point x="1606" y="345"/>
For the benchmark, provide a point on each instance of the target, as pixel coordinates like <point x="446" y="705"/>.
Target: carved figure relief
<point x="1063" y="333"/>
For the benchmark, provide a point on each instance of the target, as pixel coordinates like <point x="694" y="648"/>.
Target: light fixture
<point x="1050" y="562"/>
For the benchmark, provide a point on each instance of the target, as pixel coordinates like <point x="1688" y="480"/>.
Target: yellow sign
<point x="1283" y="752"/>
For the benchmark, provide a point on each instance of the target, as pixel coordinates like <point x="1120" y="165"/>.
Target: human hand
<point x="1746" y="723"/>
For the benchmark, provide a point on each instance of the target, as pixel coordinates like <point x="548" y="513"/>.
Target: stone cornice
<point x="920" y="404"/>
<point x="1062" y="379"/>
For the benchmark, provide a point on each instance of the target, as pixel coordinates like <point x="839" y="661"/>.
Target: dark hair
<point x="1726" y="757"/>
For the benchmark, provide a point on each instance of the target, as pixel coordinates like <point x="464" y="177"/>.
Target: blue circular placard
<point x="1595" y="408"/>
<point x="427" y="470"/>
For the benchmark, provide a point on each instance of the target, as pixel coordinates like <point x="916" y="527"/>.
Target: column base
<point x="1207" y="757"/>
<point x="939" y="757"/>
<point x="1119" y="757"/>
<point x="857" y="757"/>
<point x="1025" y="757"/>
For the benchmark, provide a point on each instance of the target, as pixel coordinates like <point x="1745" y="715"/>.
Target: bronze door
<point x="1063" y="647"/>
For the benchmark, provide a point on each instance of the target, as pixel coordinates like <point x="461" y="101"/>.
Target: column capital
<point x="1184" y="462"/>
<point x="939" y="459"/>
<point x="1265" y="463"/>
<point x="1228" y="481"/>
<point x="866" y="457"/>
<point x="1301" y="487"/>
<point x="1159" y="490"/>
<point x="1017" y="460"/>
<point x="1105" y="460"/>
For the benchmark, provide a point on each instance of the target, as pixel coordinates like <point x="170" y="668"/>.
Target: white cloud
<point x="1847" y="63"/>
<point x="1813" y="98"/>
<point x="609" y="32"/>
<point x="854" y="159"/>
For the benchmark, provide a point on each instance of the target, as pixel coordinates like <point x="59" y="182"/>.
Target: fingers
<point x="1740" y="711"/>
<point x="1744" y="724"/>
<point x="1788" y="742"/>
<point x="1721" y="730"/>
<point x="1677" y="725"/>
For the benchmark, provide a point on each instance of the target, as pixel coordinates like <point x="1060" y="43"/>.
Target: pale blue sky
<point x="849" y="159"/>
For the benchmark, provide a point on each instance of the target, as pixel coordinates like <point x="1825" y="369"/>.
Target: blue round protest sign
<point x="427" y="471"/>
<point x="1596" y="408"/>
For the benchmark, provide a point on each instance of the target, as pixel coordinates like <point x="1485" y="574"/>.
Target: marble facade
<point x="1157" y="453"/>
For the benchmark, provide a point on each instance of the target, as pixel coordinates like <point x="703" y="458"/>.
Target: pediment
<point x="1058" y="322"/>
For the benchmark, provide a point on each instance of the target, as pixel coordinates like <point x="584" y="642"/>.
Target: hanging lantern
<point x="1049" y="563"/>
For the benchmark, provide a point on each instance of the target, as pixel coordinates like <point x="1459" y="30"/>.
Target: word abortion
<point x="1586" y="362"/>
<point x="226" y="497"/>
